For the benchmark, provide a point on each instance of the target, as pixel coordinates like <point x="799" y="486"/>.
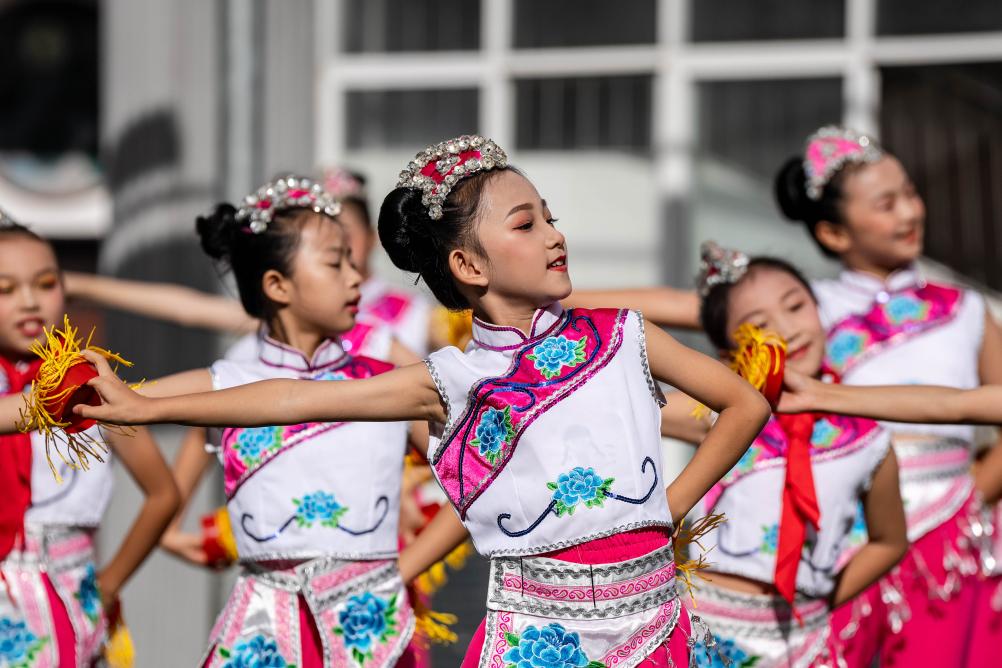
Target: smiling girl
<point x="782" y="561"/>
<point x="55" y="613"/>
<point x="888" y="325"/>
<point x="546" y="429"/>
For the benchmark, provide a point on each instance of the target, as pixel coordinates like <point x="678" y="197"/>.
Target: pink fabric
<point x="986" y="629"/>
<point x="938" y="632"/>
<point x="618" y="547"/>
<point x="65" y="636"/>
<point x="309" y="638"/>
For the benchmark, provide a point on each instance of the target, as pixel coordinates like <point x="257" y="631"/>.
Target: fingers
<point x="99" y="362"/>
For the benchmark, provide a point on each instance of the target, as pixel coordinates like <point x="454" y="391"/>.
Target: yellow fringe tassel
<point x="226" y="539"/>
<point x="119" y="650"/>
<point x="435" y="577"/>
<point x="687" y="568"/>
<point x="751" y="358"/>
<point x="433" y="627"/>
<point x="62" y="349"/>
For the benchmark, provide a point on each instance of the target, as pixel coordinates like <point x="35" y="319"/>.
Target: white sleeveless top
<point x="82" y="497"/>
<point x="908" y="331"/>
<point x="552" y="439"/>
<point x="845" y="453"/>
<point x="311" y="490"/>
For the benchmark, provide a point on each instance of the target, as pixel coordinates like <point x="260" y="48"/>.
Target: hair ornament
<point x="829" y="149"/>
<point x="287" y="192"/>
<point x="342" y="184"/>
<point x="719" y="266"/>
<point x="441" y="166"/>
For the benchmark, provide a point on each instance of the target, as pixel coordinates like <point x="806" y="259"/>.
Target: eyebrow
<point x="525" y="207"/>
<point x="39" y="273"/>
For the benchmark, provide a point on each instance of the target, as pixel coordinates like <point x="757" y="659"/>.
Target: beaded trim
<point x="441" y="166"/>
<point x="652" y="384"/>
<point x="829" y="149"/>
<point x="719" y="266"/>
<point x="723" y="624"/>
<point x="561" y="574"/>
<point x="288" y="192"/>
<point x="440" y="386"/>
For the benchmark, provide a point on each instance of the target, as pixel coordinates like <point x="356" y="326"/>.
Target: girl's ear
<point x="277" y="287"/>
<point x="833" y="237"/>
<point x="468" y="268"/>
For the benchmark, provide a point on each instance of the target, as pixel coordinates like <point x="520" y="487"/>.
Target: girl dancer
<point x="55" y="613"/>
<point x="887" y="324"/>
<point x="792" y="500"/>
<point x="314" y="505"/>
<point x="546" y="429"/>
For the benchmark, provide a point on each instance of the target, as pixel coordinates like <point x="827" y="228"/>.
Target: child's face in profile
<point x="773" y="300"/>
<point x="31" y="292"/>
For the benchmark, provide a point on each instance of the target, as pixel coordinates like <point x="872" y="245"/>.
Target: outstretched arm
<point x="922" y="404"/>
<point x="664" y="306"/>
<point x="887" y="536"/>
<point x="408" y="393"/>
<point x="742" y="413"/>
<point x="161" y="301"/>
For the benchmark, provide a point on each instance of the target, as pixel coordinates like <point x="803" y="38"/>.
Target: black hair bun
<point x="403" y="229"/>
<point x="791" y="191"/>
<point x="216" y="231"/>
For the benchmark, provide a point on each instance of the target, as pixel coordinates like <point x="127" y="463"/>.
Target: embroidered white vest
<point x="553" y="439"/>
<point x="82" y="497"/>
<point x="311" y="490"/>
<point x="903" y="332"/>
<point x="845" y="453"/>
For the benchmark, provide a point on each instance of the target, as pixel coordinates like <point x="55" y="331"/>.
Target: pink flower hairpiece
<point x="829" y="149"/>
<point x="719" y="266"/>
<point x="342" y="184"/>
<point x="288" y="192"/>
<point x="439" y="167"/>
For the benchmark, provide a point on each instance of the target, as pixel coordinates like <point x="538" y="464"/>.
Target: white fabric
<point x="82" y="497"/>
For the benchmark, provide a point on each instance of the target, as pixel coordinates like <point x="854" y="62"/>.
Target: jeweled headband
<point x="829" y="149"/>
<point x="341" y="184"/>
<point x="439" y="167"/>
<point x="719" y="266"/>
<point x="288" y="192"/>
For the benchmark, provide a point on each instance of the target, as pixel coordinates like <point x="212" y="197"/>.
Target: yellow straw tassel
<point x="61" y="350"/>
<point x="751" y="358"/>
<point x="431" y="626"/>
<point x="686" y="567"/>
<point x="435" y="577"/>
<point x="119" y="650"/>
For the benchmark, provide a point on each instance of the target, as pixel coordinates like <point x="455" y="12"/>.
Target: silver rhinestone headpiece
<point x="719" y="266"/>
<point x="288" y="192"/>
<point x="829" y="149"/>
<point x="438" y="168"/>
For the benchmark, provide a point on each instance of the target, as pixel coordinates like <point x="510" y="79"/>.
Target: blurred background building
<point x="649" y="125"/>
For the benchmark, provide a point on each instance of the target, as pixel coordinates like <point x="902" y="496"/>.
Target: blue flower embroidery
<point x="553" y="646"/>
<point x="318" y="507"/>
<point x="366" y="621"/>
<point x="258" y="652"/>
<point x="579" y="485"/>
<point x="254" y="442"/>
<point x="825" y="434"/>
<point x="553" y="353"/>
<point x="89" y="595"/>
<point x="857" y="533"/>
<point x="724" y="654"/>
<point x="770" y="539"/>
<point x="331" y="375"/>
<point x="844" y="346"/>
<point x="906" y="308"/>
<point x="493" y="432"/>
<point x="18" y="645"/>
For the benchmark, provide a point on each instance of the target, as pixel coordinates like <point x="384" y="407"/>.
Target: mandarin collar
<point x="900" y="279"/>
<point x="280" y="356"/>
<point x="496" y="337"/>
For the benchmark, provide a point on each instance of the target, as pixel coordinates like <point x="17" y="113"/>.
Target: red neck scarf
<point x="15" y="462"/>
<point x="800" y="501"/>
